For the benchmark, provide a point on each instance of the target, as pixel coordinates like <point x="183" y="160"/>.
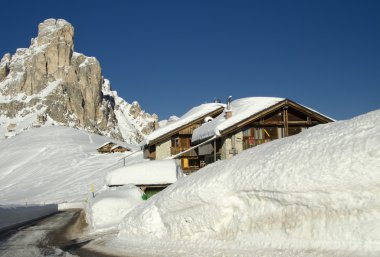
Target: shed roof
<point x="146" y="173"/>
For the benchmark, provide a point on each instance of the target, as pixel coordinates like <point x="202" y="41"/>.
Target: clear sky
<point x="173" y="55"/>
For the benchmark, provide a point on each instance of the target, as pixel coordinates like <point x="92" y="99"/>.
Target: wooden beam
<point x="286" y="121"/>
<point x="214" y="150"/>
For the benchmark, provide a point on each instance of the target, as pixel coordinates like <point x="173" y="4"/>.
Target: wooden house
<point x="249" y="122"/>
<point x="119" y="149"/>
<point x="106" y="147"/>
<point x="175" y="138"/>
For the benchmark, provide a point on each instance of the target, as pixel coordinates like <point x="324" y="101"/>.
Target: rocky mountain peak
<point x="55" y="31"/>
<point x="66" y="87"/>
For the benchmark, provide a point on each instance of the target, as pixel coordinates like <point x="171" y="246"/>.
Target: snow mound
<point x="54" y="165"/>
<point x="316" y="190"/>
<point x="146" y="173"/>
<point x="109" y="207"/>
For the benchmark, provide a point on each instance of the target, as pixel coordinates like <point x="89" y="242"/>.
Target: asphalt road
<point x="39" y="238"/>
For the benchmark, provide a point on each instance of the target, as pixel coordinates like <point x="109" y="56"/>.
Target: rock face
<point x="49" y="82"/>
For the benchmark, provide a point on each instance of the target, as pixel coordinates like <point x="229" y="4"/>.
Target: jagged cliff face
<point x="48" y="83"/>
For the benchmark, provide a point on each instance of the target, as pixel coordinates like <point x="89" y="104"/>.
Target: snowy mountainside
<point x="55" y="164"/>
<point x="130" y="117"/>
<point x="315" y="191"/>
<point x="48" y="83"/>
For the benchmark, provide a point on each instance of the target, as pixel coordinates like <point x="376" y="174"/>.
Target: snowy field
<point x="313" y="194"/>
<point x="54" y="165"/>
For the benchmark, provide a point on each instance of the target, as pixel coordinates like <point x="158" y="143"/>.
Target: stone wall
<point x="163" y="150"/>
<point x="232" y="145"/>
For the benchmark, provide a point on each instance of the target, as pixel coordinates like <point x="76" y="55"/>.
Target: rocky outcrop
<point x="4" y="66"/>
<point x="49" y="78"/>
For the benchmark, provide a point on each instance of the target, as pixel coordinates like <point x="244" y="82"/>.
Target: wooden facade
<point x="284" y="119"/>
<point x="178" y="141"/>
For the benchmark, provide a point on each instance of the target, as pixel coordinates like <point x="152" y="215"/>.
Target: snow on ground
<point x="146" y="173"/>
<point x="54" y="165"/>
<point x="313" y="194"/>
<point x="109" y="207"/>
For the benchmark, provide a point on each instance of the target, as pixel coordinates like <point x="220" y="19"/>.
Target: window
<point x="175" y="142"/>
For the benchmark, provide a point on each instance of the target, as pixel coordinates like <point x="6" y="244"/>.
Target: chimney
<point x="228" y="111"/>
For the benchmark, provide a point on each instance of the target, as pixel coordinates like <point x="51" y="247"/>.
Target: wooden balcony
<point x="177" y="150"/>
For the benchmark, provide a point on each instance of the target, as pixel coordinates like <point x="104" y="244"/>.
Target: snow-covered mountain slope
<point x="50" y="83"/>
<point x="316" y="191"/>
<point x="55" y="164"/>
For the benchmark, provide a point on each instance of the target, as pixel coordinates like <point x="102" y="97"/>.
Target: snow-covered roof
<point x="106" y="143"/>
<point x="119" y="143"/>
<point x="116" y="146"/>
<point x="146" y="173"/>
<point x="241" y="109"/>
<point x="192" y="115"/>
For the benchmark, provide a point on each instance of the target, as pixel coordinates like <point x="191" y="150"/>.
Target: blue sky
<point x="173" y="55"/>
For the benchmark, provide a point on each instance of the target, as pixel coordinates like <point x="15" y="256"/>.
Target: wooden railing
<point x="177" y="150"/>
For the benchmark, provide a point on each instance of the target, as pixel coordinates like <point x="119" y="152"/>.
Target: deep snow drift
<point x="55" y="164"/>
<point x="108" y="208"/>
<point x="316" y="191"/>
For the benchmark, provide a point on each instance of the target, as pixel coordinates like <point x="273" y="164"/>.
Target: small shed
<point x="106" y="147"/>
<point x="119" y="149"/>
<point x="149" y="176"/>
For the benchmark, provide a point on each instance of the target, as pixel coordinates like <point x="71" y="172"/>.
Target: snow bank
<point x="316" y="190"/>
<point x="146" y="173"/>
<point x="108" y="208"/>
<point x="14" y="215"/>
